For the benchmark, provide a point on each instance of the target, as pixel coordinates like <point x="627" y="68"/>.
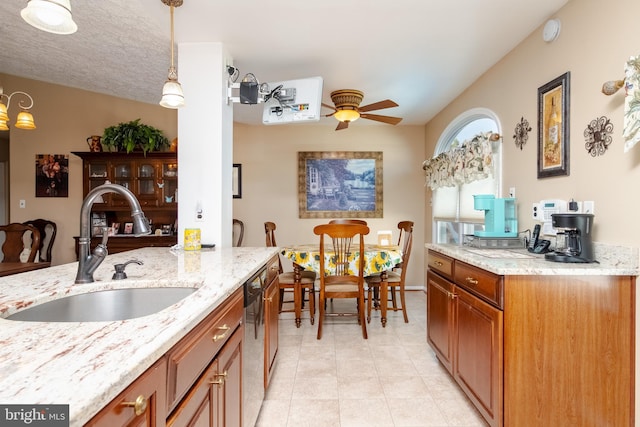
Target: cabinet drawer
<point x="273" y="268"/>
<point x="479" y="282"/>
<point x="188" y="359"/>
<point x="440" y="263"/>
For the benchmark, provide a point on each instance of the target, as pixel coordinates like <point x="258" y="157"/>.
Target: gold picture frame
<point x="553" y="127"/>
<point x="340" y="184"/>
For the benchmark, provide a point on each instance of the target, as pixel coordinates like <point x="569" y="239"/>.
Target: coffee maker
<point x="573" y="239"/>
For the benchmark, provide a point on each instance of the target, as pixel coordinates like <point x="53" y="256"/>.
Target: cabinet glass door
<point x="170" y="183"/>
<point x="122" y="175"/>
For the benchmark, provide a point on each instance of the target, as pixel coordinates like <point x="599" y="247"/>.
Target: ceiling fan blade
<point x="387" y="103"/>
<point x="329" y="106"/>
<point x="384" y="119"/>
<point x="342" y="125"/>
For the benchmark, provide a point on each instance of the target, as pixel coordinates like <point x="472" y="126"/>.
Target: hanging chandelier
<point x="172" y="95"/>
<point x="24" y="119"/>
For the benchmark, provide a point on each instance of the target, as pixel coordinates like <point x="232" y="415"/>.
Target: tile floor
<point x="391" y="379"/>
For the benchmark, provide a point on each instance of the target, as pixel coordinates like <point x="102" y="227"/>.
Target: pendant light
<point x="52" y="16"/>
<point x="172" y="95"/>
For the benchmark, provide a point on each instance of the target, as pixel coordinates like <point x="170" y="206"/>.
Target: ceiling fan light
<point x="172" y="95"/>
<point x="25" y="121"/>
<point x="52" y="16"/>
<point x="347" y="115"/>
<point x="4" y="116"/>
<point x="3" y="125"/>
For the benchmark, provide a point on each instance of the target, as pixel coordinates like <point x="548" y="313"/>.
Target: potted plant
<point x="134" y="135"/>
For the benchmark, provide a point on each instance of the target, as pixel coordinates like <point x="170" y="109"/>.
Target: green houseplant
<point x="134" y="135"/>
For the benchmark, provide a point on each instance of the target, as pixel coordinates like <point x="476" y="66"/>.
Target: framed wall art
<point x="52" y="175"/>
<point x="236" y="181"/>
<point x="553" y="127"/>
<point x="340" y="184"/>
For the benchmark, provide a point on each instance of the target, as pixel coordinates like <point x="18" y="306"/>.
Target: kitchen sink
<point x="105" y="305"/>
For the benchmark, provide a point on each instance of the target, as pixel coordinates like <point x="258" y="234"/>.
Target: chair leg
<point x="404" y="306"/>
<point x="321" y="303"/>
<point x="312" y="304"/>
<point x="361" y="316"/>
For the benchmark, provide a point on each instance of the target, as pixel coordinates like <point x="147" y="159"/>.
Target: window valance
<point x="465" y="163"/>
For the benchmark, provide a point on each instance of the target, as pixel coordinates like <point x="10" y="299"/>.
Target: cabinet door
<point x="169" y="183"/>
<point x="146" y="177"/>
<point x="229" y="408"/>
<point x="271" y="310"/>
<point x="440" y="318"/>
<point x="122" y="175"/>
<point x="478" y="354"/>
<point x="141" y="404"/>
<point x="200" y="405"/>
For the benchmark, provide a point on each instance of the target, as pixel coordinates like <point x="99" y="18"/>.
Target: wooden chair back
<point x="238" y="232"/>
<point x="14" y="243"/>
<point x="269" y="231"/>
<point x="348" y="221"/>
<point x="48" y="230"/>
<point x="405" y="241"/>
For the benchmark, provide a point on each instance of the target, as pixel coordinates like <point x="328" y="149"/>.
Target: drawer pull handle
<point x="471" y="281"/>
<point x="139" y="405"/>
<point x="218" y="337"/>
<point x="270" y="299"/>
<point x="221" y="378"/>
<point x="438" y="263"/>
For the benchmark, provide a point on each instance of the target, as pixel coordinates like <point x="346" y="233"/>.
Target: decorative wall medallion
<point x="522" y="132"/>
<point x="598" y="136"/>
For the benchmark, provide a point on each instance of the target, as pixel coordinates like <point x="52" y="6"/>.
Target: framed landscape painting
<point x="340" y="184"/>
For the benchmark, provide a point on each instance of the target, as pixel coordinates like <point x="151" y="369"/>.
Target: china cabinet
<point x="152" y="178"/>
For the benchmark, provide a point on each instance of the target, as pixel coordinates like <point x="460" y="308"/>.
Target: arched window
<point x="453" y="212"/>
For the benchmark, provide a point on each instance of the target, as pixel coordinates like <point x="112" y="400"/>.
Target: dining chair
<point x="395" y="277"/>
<point x="348" y="221"/>
<point x="238" y="232"/>
<point x="287" y="280"/>
<point x="342" y="269"/>
<point x="16" y="236"/>
<point x="48" y="230"/>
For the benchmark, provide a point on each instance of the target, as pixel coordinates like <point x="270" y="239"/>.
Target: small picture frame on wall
<point x="553" y="127"/>
<point x="236" y="181"/>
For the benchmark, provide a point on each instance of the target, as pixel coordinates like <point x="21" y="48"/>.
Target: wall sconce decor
<point x="521" y="134"/>
<point x="24" y="119"/>
<point x="52" y="16"/>
<point x="172" y="95"/>
<point x="598" y="136"/>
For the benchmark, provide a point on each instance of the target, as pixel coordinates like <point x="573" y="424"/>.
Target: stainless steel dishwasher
<point x="253" y="347"/>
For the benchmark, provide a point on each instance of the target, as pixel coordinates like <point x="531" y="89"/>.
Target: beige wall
<point x="65" y="117"/>
<point x="595" y="42"/>
<point x="268" y="155"/>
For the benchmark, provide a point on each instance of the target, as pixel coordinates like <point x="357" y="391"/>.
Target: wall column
<point x="205" y="143"/>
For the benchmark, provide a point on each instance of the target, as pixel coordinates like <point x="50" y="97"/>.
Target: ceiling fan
<point x="347" y="108"/>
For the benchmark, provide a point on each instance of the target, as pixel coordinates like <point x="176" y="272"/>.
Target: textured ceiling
<point x="419" y="53"/>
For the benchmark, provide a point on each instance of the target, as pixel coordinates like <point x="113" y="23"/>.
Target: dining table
<point x="9" y="268"/>
<point x="378" y="260"/>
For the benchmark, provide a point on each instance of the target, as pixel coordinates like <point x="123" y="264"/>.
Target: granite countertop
<point x="612" y="261"/>
<point x="86" y="364"/>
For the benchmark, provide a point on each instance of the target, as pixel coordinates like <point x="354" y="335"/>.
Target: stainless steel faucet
<point x="87" y="264"/>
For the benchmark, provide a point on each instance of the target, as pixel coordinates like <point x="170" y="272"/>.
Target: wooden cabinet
<point x="215" y="399"/>
<point x="143" y="403"/>
<point x="535" y="350"/>
<point x="153" y="179"/>
<point x="465" y="331"/>
<point x="271" y="313"/>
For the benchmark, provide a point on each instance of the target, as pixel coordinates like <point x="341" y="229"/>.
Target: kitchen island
<point x="87" y="364"/>
<point x="533" y="342"/>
